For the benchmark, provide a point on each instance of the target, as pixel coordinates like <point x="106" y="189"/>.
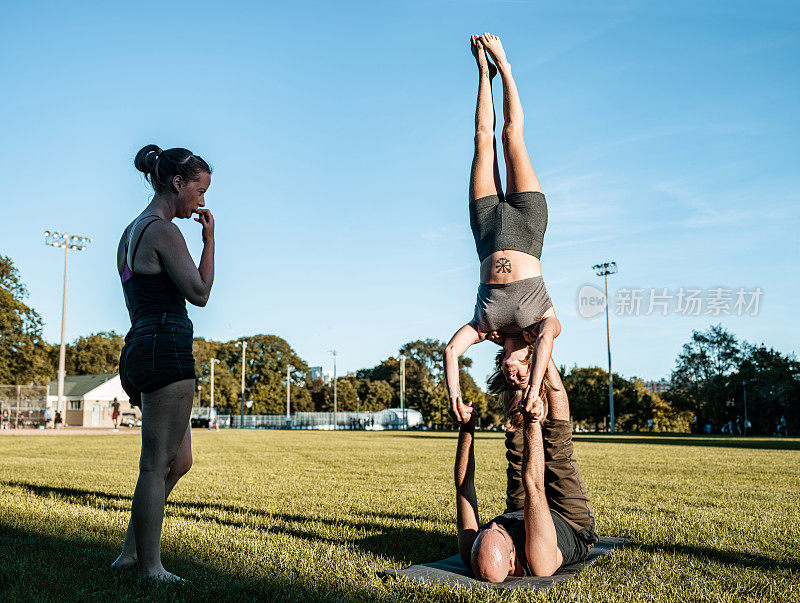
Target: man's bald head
<point x="492" y="553"/>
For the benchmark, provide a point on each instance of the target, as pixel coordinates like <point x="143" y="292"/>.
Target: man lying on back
<point x="555" y="524"/>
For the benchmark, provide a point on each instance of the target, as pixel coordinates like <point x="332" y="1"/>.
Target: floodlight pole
<point x="744" y="393"/>
<point x="62" y="350"/>
<point x="212" y="362"/>
<point x="78" y="243"/>
<point x="403" y="390"/>
<point x="243" y="345"/>
<point x="335" y="408"/>
<point x="604" y="270"/>
<point x="288" y="394"/>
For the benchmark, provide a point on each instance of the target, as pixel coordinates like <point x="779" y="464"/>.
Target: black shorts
<point x="157" y="352"/>
<point x="572" y="548"/>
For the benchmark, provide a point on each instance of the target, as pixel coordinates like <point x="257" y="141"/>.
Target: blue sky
<point x="666" y="137"/>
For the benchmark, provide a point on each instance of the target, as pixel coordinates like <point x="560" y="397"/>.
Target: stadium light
<point x="76" y="243"/>
<point x="403" y="390"/>
<point x="212" y="362"/>
<point x="242" y="344"/>
<point x="333" y="351"/>
<point x="604" y="270"/>
<point x="289" y="367"/>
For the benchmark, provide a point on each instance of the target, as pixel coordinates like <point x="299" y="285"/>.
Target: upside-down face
<point x="516" y="371"/>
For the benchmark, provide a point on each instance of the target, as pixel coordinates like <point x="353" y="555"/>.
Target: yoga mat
<point x="451" y="571"/>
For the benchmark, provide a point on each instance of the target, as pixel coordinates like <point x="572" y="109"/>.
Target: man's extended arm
<point x="549" y="328"/>
<point x="541" y="545"/>
<point x="466" y="497"/>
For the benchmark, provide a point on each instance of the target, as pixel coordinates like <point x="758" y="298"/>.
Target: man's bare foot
<point x="484" y="65"/>
<point x="161" y="576"/>
<point x="124" y="562"/>
<point x="494" y="47"/>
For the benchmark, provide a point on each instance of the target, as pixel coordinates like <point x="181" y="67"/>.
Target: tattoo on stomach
<point x="503" y="266"/>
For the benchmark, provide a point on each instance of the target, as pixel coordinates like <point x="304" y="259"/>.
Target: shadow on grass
<point x="35" y="566"/>
<point x="686" y="440"/>
<point x="727" y="557"/>
<point x="678" y="439"/>
<point x="401" y="544"/>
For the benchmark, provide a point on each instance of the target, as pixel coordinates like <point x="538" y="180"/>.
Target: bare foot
<point x="161" y="576"/>
<point x="494" y="47"/>
<point x="124" y="562"/>
<point x="484" y="65"/>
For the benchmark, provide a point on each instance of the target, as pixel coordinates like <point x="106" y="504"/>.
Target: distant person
<point x="58" y="422"/>
<point x="47" y="418"/>
<point x="115" y="414"/>
<point x="548" y="520"/>
<point x="5" y="420"/>
<point x="513" y="307"/>
<point x="156" y="364"/>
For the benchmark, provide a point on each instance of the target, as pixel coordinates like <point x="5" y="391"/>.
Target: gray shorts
<point x="511" y="307"/>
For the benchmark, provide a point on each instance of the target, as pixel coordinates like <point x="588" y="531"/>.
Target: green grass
<point x="314" y="515"/>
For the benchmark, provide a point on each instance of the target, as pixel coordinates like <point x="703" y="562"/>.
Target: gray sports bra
<point x="516" y="222"/>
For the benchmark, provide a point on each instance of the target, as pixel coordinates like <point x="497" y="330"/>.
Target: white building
<point x="89" y="399"/>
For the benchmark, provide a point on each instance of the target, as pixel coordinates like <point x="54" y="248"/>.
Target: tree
<point x="265" y="375"/>
<point x="702" y="374"/>
<point x="24" y="355"/>
<point x="321" y="395"/>
<point x="634" y="405"/>
<point x="772" y="381"/>
<point x="426" y="390"/>
<point x="347" y="394"/>
<point x="226" y="386"/>
<point x="587" y="389"/>
<point x="94" y="354"/>
<point x="375" y="395"/>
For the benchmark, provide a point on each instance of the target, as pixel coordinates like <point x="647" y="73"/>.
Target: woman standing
<point x="156" y="365"/>
<point x="513" y="306"/>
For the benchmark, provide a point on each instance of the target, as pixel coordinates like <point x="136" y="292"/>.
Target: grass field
<point x="314" y="515"/>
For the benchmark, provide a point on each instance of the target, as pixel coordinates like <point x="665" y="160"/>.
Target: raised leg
<point x="179" y="467"/>
<point x="520" y="176"/>
<point x="165" y="416"/>
<point x="485" y="173"/>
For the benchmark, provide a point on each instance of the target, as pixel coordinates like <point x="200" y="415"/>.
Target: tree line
<point x="714" y="375"/>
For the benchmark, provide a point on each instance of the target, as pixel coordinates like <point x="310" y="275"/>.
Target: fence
<point x="390" y="418"/>
<point x="22" y="405"/>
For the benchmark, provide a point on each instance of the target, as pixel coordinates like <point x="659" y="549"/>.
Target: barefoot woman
<point x="156" y="364"/>
<point x="513" y="306"/>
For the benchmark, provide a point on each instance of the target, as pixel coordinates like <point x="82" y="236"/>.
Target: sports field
<point x="314" y="515"/>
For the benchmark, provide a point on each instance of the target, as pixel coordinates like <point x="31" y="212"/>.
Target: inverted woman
<point x="513" y="307"/>
<point x="156" y="364"/>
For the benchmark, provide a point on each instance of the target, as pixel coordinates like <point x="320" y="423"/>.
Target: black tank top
<point x="149" y="294"/>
